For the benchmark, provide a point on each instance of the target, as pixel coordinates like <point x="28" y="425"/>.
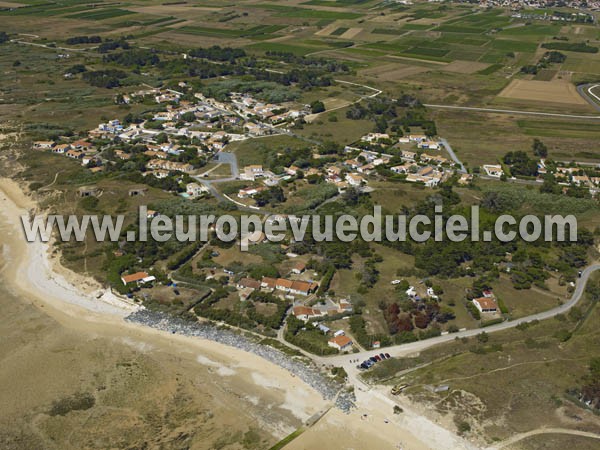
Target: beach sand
<point x="66" y="335"/>
<point x="150" y="387"/>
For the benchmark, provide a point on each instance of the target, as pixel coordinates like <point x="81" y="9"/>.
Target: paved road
<point x="512" y="111"/>
<point x="448" y="148"/>
<point x="231" y="159"/>
<point x="403" y="349"/>
<point x="591" y="93"/>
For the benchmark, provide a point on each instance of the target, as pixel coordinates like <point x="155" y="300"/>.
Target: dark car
<point x="382" y="356"/>
<point x="372" y="358"/>
<point x="387" y="355"/>
<point x="377" y="358"/>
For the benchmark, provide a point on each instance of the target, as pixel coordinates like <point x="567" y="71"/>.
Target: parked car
<point x="377" y="357"/>
<point x="382" y="356"/>
<point x="387" y="355"/>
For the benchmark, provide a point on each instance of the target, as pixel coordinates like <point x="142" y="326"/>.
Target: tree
<point x="317" y="107"/>
<point x="520" y="163"/>
<point x="550" y="186"/>
<point x="188" y="116"/>
<point x="162" y="138"/>
<point x="351" y="196"/>
<point x="539" y="148"/>
<point x="3" y="37"/>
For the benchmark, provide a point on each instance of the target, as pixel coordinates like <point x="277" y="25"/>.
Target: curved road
<point x="593" y="98"/>
<point x="403" y="349"/>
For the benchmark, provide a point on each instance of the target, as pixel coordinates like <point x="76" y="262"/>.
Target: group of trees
<point x="307" y="337"/>
<point x="383" y="112"/>
<point x="217" y="53"/>
<point x="109" y="45"/>
<point x="326" y="65"/>
<point x="270" y="196"/>
<point x="317" y="107"/>
<point x="246" y="315"/>
<point x="590" y="391"/>
<point x="109" y="78"/>
<point x="521" y="164"/>
<point x="581" y="47"/>
<point x="133" y="57"/>
<point x="83" y="40"/>
<point x="547" y="59"/>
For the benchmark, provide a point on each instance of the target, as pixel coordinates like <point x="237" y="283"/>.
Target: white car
<point x="396" y="281"/>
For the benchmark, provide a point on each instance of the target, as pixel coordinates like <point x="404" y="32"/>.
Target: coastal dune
<point x="69" y="342"/>
<point x="67" y="346"/>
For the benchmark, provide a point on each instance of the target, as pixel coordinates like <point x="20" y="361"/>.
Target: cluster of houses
<point x="338" y="340"/>
<point x="421" y="167"/>
<point x="81" y="150"/>
<point x="328" y="307"/>
<point x="418" y="166"/>
<point x="286" y="286"/>
<point x="565" y="176"/>
<point x="571" y="175"/>
<point x="249" y="107"/>
<point x="207" y="123"/>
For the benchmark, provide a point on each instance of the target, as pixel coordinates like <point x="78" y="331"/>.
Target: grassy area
<point x="532" y="364"/>
<point x="286" y="440"/>
<point x="101" y="14"/>
<point x="565" y="138"/>
<point x="258" y="151"/>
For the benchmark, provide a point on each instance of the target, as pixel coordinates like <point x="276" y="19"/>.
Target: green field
<point x="101" y="14"/>
<point x="281" y="47"/>
<point x="259" y="30"/>
<point x="339" y="31"/>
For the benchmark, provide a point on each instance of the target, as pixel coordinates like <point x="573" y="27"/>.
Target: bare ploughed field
<point x="557" y="91"/>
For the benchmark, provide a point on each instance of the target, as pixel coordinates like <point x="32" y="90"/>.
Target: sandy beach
<point x="82" y="306"/>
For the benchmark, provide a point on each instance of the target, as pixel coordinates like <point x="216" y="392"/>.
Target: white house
<point x="195" y="189"/>
<point x="493" y="170"/>
<point x="355" y="180"/>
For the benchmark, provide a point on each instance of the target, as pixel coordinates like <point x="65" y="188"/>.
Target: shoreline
<point x="74" y="301"/>
<point x="32" y="277"/>
<point x="58" y="282"/>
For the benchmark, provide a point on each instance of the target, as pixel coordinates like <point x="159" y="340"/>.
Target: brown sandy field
<point x="73" y="378"/>
<point x="543" y="91"/>
<point x="351" y="33"/>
